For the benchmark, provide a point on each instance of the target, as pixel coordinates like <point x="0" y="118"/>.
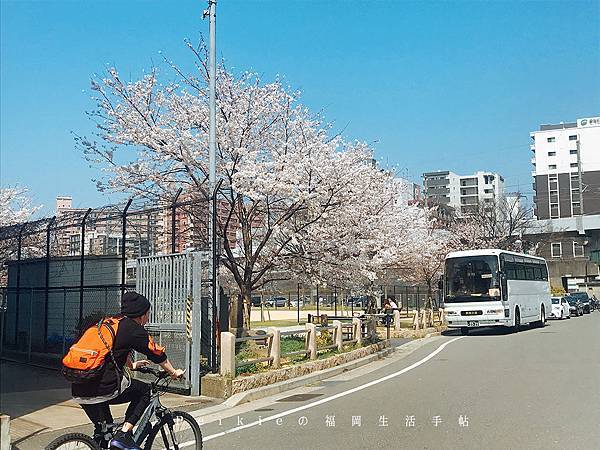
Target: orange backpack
<point x="86" y="358"/>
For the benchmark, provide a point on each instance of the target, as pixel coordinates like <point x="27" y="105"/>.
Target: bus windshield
<point x="472" y="278"/>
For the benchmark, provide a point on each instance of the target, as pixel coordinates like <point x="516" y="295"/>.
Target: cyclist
<point x="115" y="386"/>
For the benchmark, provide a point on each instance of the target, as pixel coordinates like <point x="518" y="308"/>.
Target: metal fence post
<point x="47" y="283"/>
<point x="335" y="297"/>
<point x="82" y="266"/>
<point x="196" y="262"/>
<point x="173" y="219"/>
<point x="64" y="319"/>
<point x="298" y="303"/>
<point x="30" y="325"/>
<point x="18" y="293"/>
<point x="124" y="245"/>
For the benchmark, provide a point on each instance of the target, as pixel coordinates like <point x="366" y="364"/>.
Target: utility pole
<point x="213" y="256"/>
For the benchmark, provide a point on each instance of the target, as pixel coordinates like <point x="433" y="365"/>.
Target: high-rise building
<point x="566" y="172"/>
<point x="463" y="193"/>
<point x="563" y="155"/>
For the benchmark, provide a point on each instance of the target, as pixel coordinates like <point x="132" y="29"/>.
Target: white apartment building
<point x="463" y="193"/>
<point x="566" y="171"/>
<point x="562" y="155"/>
<point x="408" y="192"/>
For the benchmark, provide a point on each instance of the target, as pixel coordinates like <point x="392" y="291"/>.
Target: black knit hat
<point x="134" y="304"/>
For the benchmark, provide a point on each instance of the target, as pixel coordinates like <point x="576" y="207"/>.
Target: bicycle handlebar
<point x="159" y="374"/>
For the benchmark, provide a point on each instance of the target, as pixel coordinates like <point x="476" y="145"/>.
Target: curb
<point x="282" y="386"/>
<point x="397" y="353"/>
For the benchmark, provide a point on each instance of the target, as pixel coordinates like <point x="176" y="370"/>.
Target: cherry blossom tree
<point x="16" y="208"/>
<point x="283" y="172"/>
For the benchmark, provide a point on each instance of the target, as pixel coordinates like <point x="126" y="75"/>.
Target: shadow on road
<point x="494" y="331"/>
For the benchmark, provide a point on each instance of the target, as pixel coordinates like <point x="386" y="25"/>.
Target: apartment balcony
<point x="532" y="147"/>
<point x="533" y="160"/>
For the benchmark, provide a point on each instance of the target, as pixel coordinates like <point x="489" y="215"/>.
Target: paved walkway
<point x="39" y="401"/>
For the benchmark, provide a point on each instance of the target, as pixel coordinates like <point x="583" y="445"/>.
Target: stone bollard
<point x="396" y="320"/>
<point x="371" y="328"/>
<point x="339" y="341"/>
<point x="442" y="318"/>
<point x="274" y="346"/>
<point x="4" y="432"/>
<point x="416" y="320"/>
<point x="228" y="354"/>
<point x="357" y="330"/>
<point x="311" y="339"/>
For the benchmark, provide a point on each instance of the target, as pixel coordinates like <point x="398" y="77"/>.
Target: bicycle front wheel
<point x="73" y="441"/>
<point x="177" y="430"/>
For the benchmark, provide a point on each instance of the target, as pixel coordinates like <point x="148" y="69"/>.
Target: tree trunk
<point x="428" y="304"/>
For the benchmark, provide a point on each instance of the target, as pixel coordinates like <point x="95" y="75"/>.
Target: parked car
<point x="294" y="303"/>
<point x="584" y="299"/>
<point x="255" y="301"/>
<point x="277" y="301"/>
<point x="560" y="309"/>
<point x="576" y="309"/>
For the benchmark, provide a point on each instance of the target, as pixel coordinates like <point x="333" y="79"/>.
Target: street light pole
<point x="212" y="173"/>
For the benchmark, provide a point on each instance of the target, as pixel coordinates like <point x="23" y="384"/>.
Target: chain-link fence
<point x="39" y="325"/>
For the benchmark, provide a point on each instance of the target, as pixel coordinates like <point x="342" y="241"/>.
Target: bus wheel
<point x="464" y="331"/>
<point x="540" y="323"/>
<point x="517" y="325"/>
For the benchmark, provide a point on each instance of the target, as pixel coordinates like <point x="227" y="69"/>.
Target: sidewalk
<point x="39" y="401"/>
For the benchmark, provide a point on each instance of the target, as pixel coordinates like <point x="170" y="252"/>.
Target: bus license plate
<point x="471" y="323"/>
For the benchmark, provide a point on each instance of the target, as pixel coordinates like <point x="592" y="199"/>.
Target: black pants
<point x="138" y="397"/>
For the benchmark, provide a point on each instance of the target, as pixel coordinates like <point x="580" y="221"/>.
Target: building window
<point x="556" y="250"/>
<point x="578" y="251"/>
<point x="573" y="152"/>
<point x="573" y="164"/>
<point x="554" y="211"/>
<point x="551" y="139"/>
<point x="576" y="208"/>
<point x="552" y="166"/>
<point x="551" y="153"/>
<point x="573" y="137"/>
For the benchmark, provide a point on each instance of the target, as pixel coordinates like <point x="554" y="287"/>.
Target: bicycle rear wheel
<point x="177" y="430"/>
<point x="73" y="441"/>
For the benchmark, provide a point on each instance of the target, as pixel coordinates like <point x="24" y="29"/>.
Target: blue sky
<point x="433" y="85"/>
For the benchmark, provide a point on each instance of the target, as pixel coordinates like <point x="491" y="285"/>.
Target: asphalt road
<point x="536" y="389"/>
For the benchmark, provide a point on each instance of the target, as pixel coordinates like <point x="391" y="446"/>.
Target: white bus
<point x="484" y="288"/>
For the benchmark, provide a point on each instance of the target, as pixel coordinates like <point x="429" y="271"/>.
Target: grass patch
<point x="250" y="350"/>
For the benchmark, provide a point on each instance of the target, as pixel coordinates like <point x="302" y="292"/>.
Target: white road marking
<point x="326" y="399"/>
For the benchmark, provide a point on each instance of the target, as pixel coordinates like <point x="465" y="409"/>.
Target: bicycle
<point x="170" y="430"/>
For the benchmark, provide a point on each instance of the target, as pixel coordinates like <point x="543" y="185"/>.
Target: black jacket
<point x="130" y="336"/>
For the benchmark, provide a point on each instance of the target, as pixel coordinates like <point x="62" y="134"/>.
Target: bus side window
<point x="521" y="275"/>
<point x="529" y="273"/>
<point x="538" y="273"/>
<point x="509" y="268"/>
<point x="544" y="273"/>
